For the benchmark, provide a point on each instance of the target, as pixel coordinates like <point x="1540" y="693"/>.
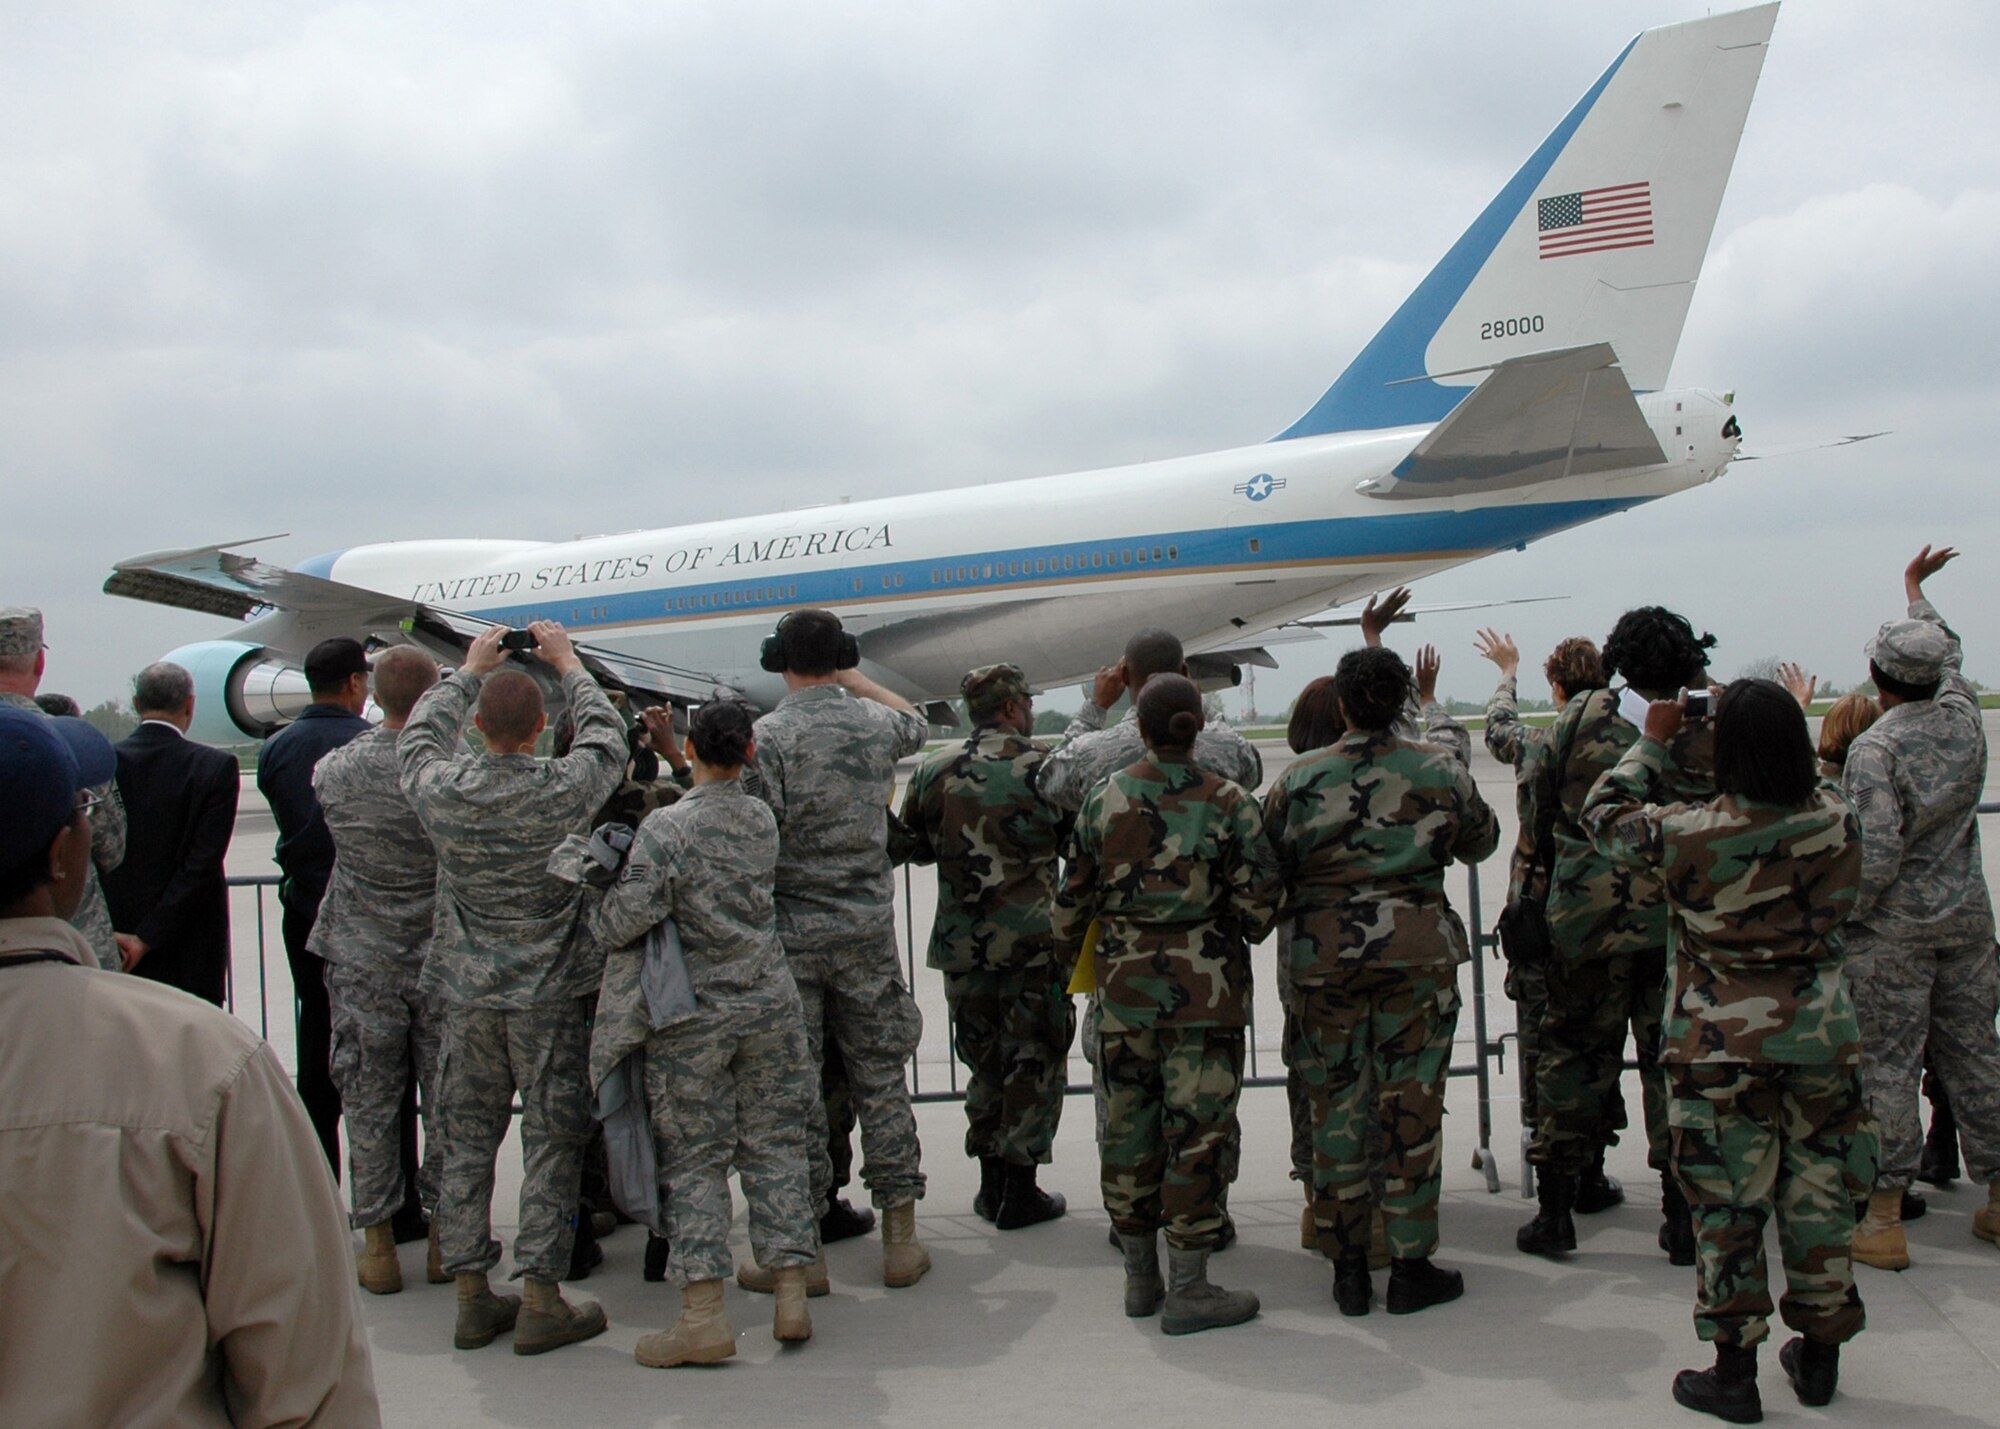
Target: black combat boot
<point x="1022" y="1202"/>
<point x="585" y="1254"/>
<point x="1676" y="1224"/>
<point x="1813" y="1369"/>
<point x="844" y="1222"/>
<point x="1915" y="1207"/>
<point x="1352" y="1287"/>
<point x="658" y="1247"/>
<point x="1728" y="1389"/>
<point x="1552" y="1231"/>
<point x="986" y="1205"/>
<point x="1939" y="1166"/>
<point x="1597" y="1191"/>
<point x="1415" y="1284"/>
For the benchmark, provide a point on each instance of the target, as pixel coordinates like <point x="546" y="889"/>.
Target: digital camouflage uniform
<point x="1920" y="948"/>
<point x="373" y="930"/>
<point x="510" y="967"/>
<point x="1608" y="924"/>
<point x="731" y="1084"/>
<point x="1363" y="832"/>
<point x="107" y="850"/>
<point x="1760" y="1039"/>
<point x="1087" y="755"/>
<point x="1170" y="861"/>
<point x="974" y="812"/>
<point x="826" y="764"/>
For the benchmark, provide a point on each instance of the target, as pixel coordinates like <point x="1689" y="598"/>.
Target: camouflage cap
<point x="991" y="686"/>
<point x="20" y="630"/>
<point x="1912" y="651"/>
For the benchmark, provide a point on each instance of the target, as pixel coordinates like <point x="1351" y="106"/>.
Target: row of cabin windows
<point x="720" y="600"/>
<point x="1053" y="565"/>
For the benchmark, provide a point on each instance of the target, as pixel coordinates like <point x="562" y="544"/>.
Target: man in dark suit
<point x="337" y="675"/>
<point x="168" y="900"/>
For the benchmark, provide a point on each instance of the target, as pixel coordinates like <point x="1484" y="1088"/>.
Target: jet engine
<point x="241" y="692"/>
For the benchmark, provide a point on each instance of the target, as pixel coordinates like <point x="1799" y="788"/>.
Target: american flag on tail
<point x="1596" y="220"/>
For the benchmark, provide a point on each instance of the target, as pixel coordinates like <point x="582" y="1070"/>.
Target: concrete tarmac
<point x="1025" y="1327"/>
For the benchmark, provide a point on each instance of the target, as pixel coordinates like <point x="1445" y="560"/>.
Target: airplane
<point x="1519" y="391"/>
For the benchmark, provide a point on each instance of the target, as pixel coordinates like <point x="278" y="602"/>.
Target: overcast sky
<point x="366" y="272"/>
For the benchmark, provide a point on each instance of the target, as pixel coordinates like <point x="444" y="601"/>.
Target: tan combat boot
<point x="904" y="1259"/>
<point x="1308" y="1228"/>
<point x="1986" y="1220"/>
<point x="1879" y="1240"/>
<point x="759" y="1281"/>
<point x="381" y="1273"/>
<point x="482" y="1315"/>
<point x="548" y="1322"/>
<point x="791" y="1323"/>
<point x="702" y="1335"/>
<point x="434" y="1270"/>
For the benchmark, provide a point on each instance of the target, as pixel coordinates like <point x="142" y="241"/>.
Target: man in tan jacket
<point x="176" y="1251"/>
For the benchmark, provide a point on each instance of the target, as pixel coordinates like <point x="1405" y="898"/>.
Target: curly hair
<point x="1170" y="713"/>
<point x="1575" y="665"/>
<point x="1374" y="684"/>
<point x="1656" y="650"/>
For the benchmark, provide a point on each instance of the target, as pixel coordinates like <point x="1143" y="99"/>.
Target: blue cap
<point x="44" y="761"/>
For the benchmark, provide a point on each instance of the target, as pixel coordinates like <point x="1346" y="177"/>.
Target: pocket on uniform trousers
<point x="1696" y="1158"/>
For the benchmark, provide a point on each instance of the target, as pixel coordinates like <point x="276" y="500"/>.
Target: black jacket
<point x="180" y="805"/>
<point x="284" y="778"/>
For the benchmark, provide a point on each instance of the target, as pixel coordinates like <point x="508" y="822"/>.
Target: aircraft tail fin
<point x="1598" y="238"/>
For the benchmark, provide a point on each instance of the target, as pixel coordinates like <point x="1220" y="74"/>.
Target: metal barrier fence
<point x="1485" y="1048"/>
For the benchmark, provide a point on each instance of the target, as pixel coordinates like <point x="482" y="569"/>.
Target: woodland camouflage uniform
<point x="975" y="813"/>
<point x="1761" y="1043"/>
<point x="511" y="966"/>
<point x="1363" y="832"/>
<point x="1608" y="924"/>
<point x="1170" y="861"/>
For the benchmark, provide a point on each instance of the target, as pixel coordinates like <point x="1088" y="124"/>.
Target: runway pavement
<point x="1024" y="1328"/>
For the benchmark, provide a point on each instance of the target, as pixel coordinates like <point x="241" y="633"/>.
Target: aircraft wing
<point x="1536" y="418"/>
<point x="1333" y="618"/>
<point x="293" y="611"/>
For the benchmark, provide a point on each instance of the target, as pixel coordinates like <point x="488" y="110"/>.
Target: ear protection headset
<point x="771" y="654"/>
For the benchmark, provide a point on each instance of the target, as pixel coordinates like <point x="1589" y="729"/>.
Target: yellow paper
<point x="1084" y="979"/>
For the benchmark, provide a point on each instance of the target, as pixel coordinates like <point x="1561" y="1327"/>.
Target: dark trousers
<point x="315" y="1026"/>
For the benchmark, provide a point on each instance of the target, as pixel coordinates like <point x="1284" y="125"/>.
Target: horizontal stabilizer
<point x="1536" y="418"/>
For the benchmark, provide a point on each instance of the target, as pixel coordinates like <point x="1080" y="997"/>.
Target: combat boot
<point x="1676" y="1223"/>
<point x="653" y="1268"/>
<point x="992" y="1180"/>
<point x="1939" y="1164"/>
<point x="1598" y="1191"/>
<point x="702" y="1335"/>
<point x="1415" y="1284"/>
<point x="1308" y="1227"/>
<point x="482" y="1315"/>
<point x="844" y="1222"/>
<point x="434" y="1270"/>
<point x="1552" y="1231"/>
<point x="1143" y="1286"/>
<point x="756" y="1279"/>
<point x="1879" y="1239"/>
<point x="1352" y="1287"/>
<point x="1728" y="1389"/>
<point x="791" y="1322"/>
<point x="381" y="1273"/>
<point x="548" y="1322"/>
<point x="1813" y="1369"/>
<point x="1022" y="1202"/>
<point x="904" y="1259"/>
<point x="1193" y="1304"/>
<point x="1986" y="1220"/>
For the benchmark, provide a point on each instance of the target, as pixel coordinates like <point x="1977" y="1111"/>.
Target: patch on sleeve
<point x="1863" y="797"/>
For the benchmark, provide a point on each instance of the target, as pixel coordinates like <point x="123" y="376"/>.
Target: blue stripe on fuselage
<point x="1280" y="545"/>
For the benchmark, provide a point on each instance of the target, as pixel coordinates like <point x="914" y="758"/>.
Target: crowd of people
<point x="679" y="955"/>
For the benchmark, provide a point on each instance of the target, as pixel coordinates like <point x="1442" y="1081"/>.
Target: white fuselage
<point x="1052" y="573"/>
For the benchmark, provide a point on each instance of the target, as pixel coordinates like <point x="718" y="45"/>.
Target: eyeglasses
<point x="87" y="802"/>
